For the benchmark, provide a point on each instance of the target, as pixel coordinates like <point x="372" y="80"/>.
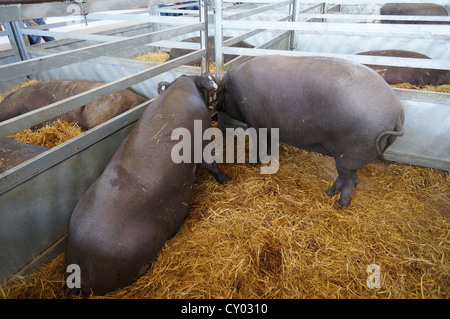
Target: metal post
<point x="203" y="8"/>
<point x="295" y="17"/>
<point x="12" y="41"/>
<point x="218" y="37"/>
<point x="19" y="37"/>
<point x="26" y="2"/>
<point x="17" y="41"/>
<point x="153" y="11"/>
<point x="323" y="10"/>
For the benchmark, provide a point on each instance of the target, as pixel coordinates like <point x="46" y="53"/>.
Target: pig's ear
<point x="162" y="86"/>
<point x="217" y="98"/>
<point x="206" y="82"/>
<point x="213" y="78"/>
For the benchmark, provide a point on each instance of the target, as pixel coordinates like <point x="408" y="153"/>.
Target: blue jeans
<point x="177" y="14"/>
<point x="35" y="39"/>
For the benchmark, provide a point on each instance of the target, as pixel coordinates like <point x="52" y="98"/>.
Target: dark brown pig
<point x="87" y="116"/>
<point x="141" y="199"/>
<point x="413" y="9"/>
<point x="415" y="76"/>
<point x="331" y="106"/>
<point x="176" y="53"/>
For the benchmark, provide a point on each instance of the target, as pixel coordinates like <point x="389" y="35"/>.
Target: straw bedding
<point x="50" y="135"/>
<point x="158" y="56"/>
<point x="281" y="236"/>
<point x="161" y="57"/>
<point x="440" y="88"/>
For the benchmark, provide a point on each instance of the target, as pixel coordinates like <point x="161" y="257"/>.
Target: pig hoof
<point x="345" y="188"/>
<point x="346" y="195"/>
<point x="224" y="179"/>
<point x="343" y="203"/>
<point x="336" y="188"/>
<point x="331" y="191"/>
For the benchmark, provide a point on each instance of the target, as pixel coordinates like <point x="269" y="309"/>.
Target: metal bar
<point x="335" y="8"/>
<point x="414" y="159"/>
<point x="273" y="41"/>
<point x="108" y="5"/>
<point x="34" y="11"/>
<point x="206" y="19"/>
<point x="322" y="11"/>
<point x="184" y="12"/>
<point x="144" y="18"/>
<point x="240" y="6"/>
<point x="61" y="42"/>
<point x="12" y="40"/>
<point x="71" y="35"/>
<point x="17" y="12"/>
<point x="19" y="39"/>
<point x="50" y="111"/>
<point x="218" y="37"/>
<point x="364" y="59"/>
<point x="203" y="16"/>
<point x="419" y="95"/>
<point x="58" y="24"/>
<point x="265" y="45"/>
<point x="27" y="2"/>
<point x="295" y="17"/>
<point x="18" y="69"/>
<point x="175" y="44"/>
<point x="375" y="17"/>
<point x="368" y="29"/>
<point x="153" y="11"/>
<point x="254" y="11"/>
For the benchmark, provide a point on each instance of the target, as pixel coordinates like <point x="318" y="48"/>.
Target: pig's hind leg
<point x="215" y="171"/>
<point x="345" y="183"/>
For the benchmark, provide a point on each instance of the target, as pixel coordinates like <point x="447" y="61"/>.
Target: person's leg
<point x="34" y="39"/>
<point x="41" y="21"/>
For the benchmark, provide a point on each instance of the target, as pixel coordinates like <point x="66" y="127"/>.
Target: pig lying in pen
<point x="87" y="116"/>
<point x="415" y="76"/>
<point x="413" y="9"/>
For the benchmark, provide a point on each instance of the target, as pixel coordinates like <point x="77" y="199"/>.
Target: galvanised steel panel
<point x="32" y="66"/>
<point x="50" y="111"/>
<point x="426" y="141"/>
<point x="61" y="9"/>
<point x="111" y="69"/>
<point x="36" y="213"/>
